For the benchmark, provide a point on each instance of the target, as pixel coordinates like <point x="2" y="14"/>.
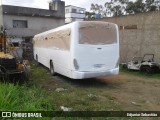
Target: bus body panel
<point x="82" y="75"/>
<point x="92" y="60"/>
<point x="96" y="60"/>
<point x="61" y="58"/>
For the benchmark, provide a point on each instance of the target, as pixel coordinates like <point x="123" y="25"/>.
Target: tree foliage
<point x="123" y="7"/>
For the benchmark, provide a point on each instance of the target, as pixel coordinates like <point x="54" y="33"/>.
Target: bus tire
<point x="52" y="69"/>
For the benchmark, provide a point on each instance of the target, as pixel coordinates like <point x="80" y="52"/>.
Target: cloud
<point x="44" y="3"/>
<point x="85" y="3"/>
<point x="16" y="2"/>
<point x="27" y="3"/>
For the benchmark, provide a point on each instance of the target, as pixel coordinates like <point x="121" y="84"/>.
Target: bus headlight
<point x="76" y="66"/>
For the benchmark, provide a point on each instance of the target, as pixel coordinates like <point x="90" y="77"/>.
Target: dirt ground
<point x="128" y="91"/>
<point x="133" y="90"/>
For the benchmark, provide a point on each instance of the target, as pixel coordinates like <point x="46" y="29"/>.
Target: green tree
<point x="152" y="5"/>
<point x="92" y="7"/>
<point x="135" y="7"/>
<point x="116" y="7"/>
<point x="149" y="4"/>
<point x="124" y="7"/>
<point x="139" y="6"/>
<point x="117" y="10"/>
<point x="130" y="8"/>
<point x="108" y="6"/>
<point x="96" y="8"/>
<point x="89" y="15"/>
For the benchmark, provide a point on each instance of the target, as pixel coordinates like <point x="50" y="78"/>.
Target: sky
<point x="44" y="3"/>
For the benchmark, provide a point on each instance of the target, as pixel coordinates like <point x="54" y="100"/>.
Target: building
<point x="1" y="20"/>
<point x="73" y="13"/>
<point x="22" y="23"/>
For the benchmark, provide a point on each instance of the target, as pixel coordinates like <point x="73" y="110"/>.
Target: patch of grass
<point x="140" y="74"/>
<point x="87" y="99"/>
<point x="19" y="98"/>
<point x="39" y="74"/>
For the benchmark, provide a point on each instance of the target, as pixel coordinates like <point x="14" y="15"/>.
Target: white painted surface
<point x="68" y="9"/>
<point x="69" y="20"/>
<point x="77" y="15"/>
<point x="74" y="15"/>
<point x="91" y="61"/>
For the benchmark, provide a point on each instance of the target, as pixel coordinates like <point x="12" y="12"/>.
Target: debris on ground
<point x="91" y="95"/>
<point x="65" y="108"/>
<point x="60" y="89"/>
<point x="134" y="103"/>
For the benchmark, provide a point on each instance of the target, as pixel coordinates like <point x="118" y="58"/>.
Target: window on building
<point x="81" y="11"/>
<point x="67" y="10"/>
<point x="20" y="24"/>
<point x="74" y="10"/>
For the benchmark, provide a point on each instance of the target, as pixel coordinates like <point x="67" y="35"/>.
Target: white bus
<point x="79" y="50"/>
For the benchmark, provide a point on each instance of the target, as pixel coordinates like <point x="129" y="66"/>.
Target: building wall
<point x="71" y="16"/>
<point x="72" y="19"/>
<point x="75" y="15"/>
<point x="141" y="40"/>
<point x="1" y="18"/>
<point x="69" y="20"/>
<point x="35" y="25"/>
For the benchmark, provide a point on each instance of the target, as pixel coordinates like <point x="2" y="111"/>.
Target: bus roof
<point x="66" y="26"/>
<point x="55" y="29"/>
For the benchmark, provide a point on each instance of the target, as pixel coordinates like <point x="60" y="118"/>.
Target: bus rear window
<point x="95" y="33"/>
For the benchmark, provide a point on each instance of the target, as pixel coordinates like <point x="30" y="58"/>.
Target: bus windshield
<point x="97" y="33"/>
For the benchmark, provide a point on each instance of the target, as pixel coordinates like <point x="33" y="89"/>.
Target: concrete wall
<point x="144" y="39"/>
<point x="35" y="25"/>
<point x="1" y="19"/>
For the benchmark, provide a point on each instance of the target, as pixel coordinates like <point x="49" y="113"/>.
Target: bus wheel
<point x="52" y="68"/>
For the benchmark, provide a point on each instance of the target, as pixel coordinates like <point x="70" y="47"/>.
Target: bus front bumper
<point x="93" y="74"/>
